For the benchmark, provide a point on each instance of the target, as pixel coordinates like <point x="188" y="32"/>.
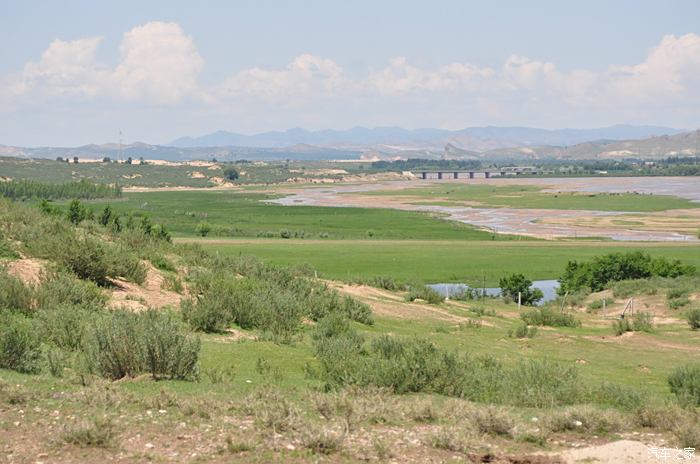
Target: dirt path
<point x="621" y="452"/>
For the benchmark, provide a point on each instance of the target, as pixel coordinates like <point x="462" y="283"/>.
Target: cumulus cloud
<point x="305" y="76"/>
<point x="159" y="64"/>
<point x="65" y="68"/>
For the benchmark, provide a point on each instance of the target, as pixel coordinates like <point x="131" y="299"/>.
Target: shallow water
<point x="548" y="287"/>
<point x="518" y="220"/>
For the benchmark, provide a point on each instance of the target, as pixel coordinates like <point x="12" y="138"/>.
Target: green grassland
<point x="439" y="261"/>
<point x="151" y="175"/>
<point x="235" y="213"/>
<point x="520" y="196"/>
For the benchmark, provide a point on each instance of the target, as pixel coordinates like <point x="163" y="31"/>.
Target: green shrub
<point x="417" y="365"/>
<point x="203" y="228"/>
<point x="124" y="264"/>
<point x="516" y="284"/>
<point x="14" y="294"/>
<point x="678" y="303"/>
<point x="6" y="249"/>
<point x="19" y="189"/>
<point x="99" y="433"/>
<point x="168" y="350"/>
<point x="64" y="325"/>
<point x="693" y="317"/>
<point x="19" y="343"/>
<point x="123" y="344"/>
<point x="596" y="305"/>
<point x="639" y="322"/>
<point x="425" y="293"/>
<point x="87" y="258"/>
<point x="385" y="282"/>
<point x="522" y="330"/>
<point x="614" y="267"/>
<point x="59" y="288"/>
<point x="685" y="383"/>
<point x="547" y="316"/>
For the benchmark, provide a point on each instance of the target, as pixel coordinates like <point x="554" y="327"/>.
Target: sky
<point x="77" y="72"/>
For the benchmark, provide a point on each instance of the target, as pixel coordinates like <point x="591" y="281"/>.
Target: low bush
<point x="614" y="267"/>
<point x="20" y="346"/>
<point x="547" y="316"/>
<point x="639" y="322"/>
<point x="64" y="325"/>
<point x="417" y="365"/>
<point x="270" y="299"/>
<point x="6" y="249"/>
<point x="678" y="303"/>
<point x="685" y="384"/>
<point x="522" y="330"/>
<point x="99" y="433"/>
<point x="693" y="317"/>
<point x="86" y="257"/>
<point x="425" y="293"/>
<point x="14" y="294"/>
<point x="124" y="344"/>
<point x="59" y="288"/>
<point x="596" y="305"/>
<point x="586" y="419"/>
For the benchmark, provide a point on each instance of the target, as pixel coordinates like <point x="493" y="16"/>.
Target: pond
<point x="548" y="287"/>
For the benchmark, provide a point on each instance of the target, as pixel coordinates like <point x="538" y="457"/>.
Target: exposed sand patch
<point x="386" y="303"/>
<point x="197" y="175"/>
<point x="28" y="270"/>
<point x="617" y="452"/>
<point x="152" y="294"/>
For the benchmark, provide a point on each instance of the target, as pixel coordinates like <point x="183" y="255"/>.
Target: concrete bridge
<point x="487" y="174"/>
<point x="454" y="174"/>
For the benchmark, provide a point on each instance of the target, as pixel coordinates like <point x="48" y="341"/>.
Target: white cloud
<point x="159" y="65"/>
<point x="65" y="68"/>
<point x="305" y="76"/>
<point x="400" y="78"/>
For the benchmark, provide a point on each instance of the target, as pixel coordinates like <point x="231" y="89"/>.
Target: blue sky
<point x="73" y="72"/>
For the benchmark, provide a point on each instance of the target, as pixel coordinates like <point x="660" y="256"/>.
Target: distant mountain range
<point x="395" y="138"/>
<point x="485" y="143"/>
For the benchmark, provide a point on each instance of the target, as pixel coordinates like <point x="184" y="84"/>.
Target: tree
<point x="203" y="228"/>
<point x="515" y="284"/>
<point x="129" y="160"/>
<point x="106" y="215"/>
<point x="142" y="161"/>
<point x="75" y="159"/>
<point x="146" y="225"/>
<point x="76" y="212"/>
<point x="106" y="159"/>
<point x="231" y="173"/>
<point x="59" y="158"/>
<point x="116" y="225"/>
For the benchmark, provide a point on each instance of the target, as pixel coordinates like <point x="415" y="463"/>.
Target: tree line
<point x="30" y="189"/>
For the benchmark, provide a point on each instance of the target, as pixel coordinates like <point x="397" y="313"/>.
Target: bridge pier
<point x="424" y="175"/>
<point x="439" y="175"/>
<point x="471" y="174"/>
<point x="488" y="174"/>
<point x="456" y="175"/>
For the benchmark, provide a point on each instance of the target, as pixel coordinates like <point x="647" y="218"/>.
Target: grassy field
<point x="520" y="196"/>
<point x="151" y="175"/>
<point x="244" y="214"/>
<point x="439" y="261"/>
